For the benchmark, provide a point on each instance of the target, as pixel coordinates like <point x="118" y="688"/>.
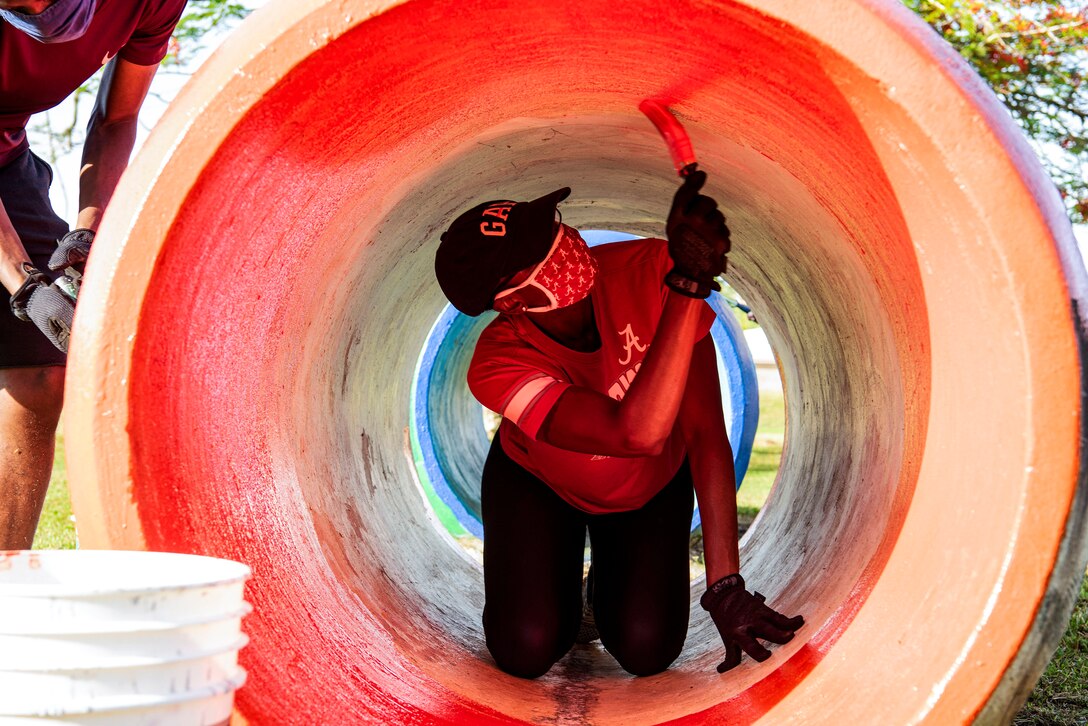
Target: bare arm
<point x="12" y="254"/>
<point x="111" y="135"/>
<point x="711" y="458"/>
<point x="591" y="422"/>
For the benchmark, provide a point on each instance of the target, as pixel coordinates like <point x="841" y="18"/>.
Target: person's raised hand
<point x="698" y="239"/>
<point x="741" y="617"/>
<point x="43" y="303"/>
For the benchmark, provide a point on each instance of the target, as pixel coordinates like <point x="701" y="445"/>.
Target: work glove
<point x="72" y="250"/>
<point x="741" y="617"/>
<point x="71" y="256"/>
<point x="698" y="239"/>
<point x="45" y="304"/>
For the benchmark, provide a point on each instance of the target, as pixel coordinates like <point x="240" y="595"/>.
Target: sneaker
<point x="587" y="632"/>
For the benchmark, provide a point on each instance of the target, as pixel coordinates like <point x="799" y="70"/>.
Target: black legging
<point x="533" y="555"/>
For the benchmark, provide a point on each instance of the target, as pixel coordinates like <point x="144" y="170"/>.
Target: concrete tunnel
<point x="263" y="285"/>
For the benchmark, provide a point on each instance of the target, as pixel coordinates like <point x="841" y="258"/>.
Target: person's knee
<point x="645" y="649"/>
<point x="527" y="648"/>
<point x="38" y="393"/>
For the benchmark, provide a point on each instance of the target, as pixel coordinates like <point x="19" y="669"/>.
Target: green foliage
<point x="201" y="18"/>
<point x="1034" y="55"/>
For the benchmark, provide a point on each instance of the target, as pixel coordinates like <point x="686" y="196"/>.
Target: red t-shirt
<point x="520" y="372"/>
<point x="37" y="76"/>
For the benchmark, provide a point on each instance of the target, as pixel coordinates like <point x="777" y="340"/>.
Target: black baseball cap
<point x="489" y="243"/>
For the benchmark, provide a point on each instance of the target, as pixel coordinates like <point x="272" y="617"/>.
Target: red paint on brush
<point x="676" y="138"/>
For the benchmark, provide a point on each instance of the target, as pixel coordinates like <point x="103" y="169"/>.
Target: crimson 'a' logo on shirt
<point x="630" y="343"/>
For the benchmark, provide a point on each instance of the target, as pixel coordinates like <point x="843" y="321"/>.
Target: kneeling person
<point x="601" y="365"/>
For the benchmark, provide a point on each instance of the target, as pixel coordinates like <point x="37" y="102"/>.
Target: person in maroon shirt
<point x="575" y="454"/>
<point x="48" y="48"/>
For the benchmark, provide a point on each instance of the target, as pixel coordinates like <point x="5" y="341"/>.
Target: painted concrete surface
<point x="263" y="284"/>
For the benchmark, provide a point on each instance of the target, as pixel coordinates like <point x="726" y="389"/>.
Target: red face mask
<point x="565" y="276"/>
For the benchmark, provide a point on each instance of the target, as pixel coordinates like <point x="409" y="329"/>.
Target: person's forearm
<point x="715" y="486"/>
<point x="649" y="409"/>
<point x="640" y="424"/>
<point x="105" y="155"/>
<point x="12" y="254"/>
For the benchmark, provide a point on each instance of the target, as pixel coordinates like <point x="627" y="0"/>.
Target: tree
<point x="200" y="18"/>
<point x="1034" y="55"/>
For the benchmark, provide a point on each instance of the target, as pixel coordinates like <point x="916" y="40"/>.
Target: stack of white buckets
<point x="119" y="638"/>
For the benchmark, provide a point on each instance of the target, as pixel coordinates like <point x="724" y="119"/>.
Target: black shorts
<point x="24" y="190"/>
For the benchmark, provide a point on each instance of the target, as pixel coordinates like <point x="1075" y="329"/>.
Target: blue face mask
<point x="62" y="21"/>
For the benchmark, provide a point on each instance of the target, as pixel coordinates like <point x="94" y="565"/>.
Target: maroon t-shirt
<point x="37" y="76"/>
<point x="520" y="372"/>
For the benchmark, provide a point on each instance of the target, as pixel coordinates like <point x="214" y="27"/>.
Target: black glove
<point x="698" y="239"/>
<point x="46" y="305"/>
<point x="741" y="617"/>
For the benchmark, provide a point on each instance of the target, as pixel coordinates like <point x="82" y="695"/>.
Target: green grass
<point x="766" y="456"/>
<point x="57" y="528"/>
<point x="762" y="470"/>
<point x="1059" y="699"/>
<point x="772" y="415"/>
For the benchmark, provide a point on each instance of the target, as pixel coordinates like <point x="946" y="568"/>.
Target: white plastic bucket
<point x="119" y="638"/>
